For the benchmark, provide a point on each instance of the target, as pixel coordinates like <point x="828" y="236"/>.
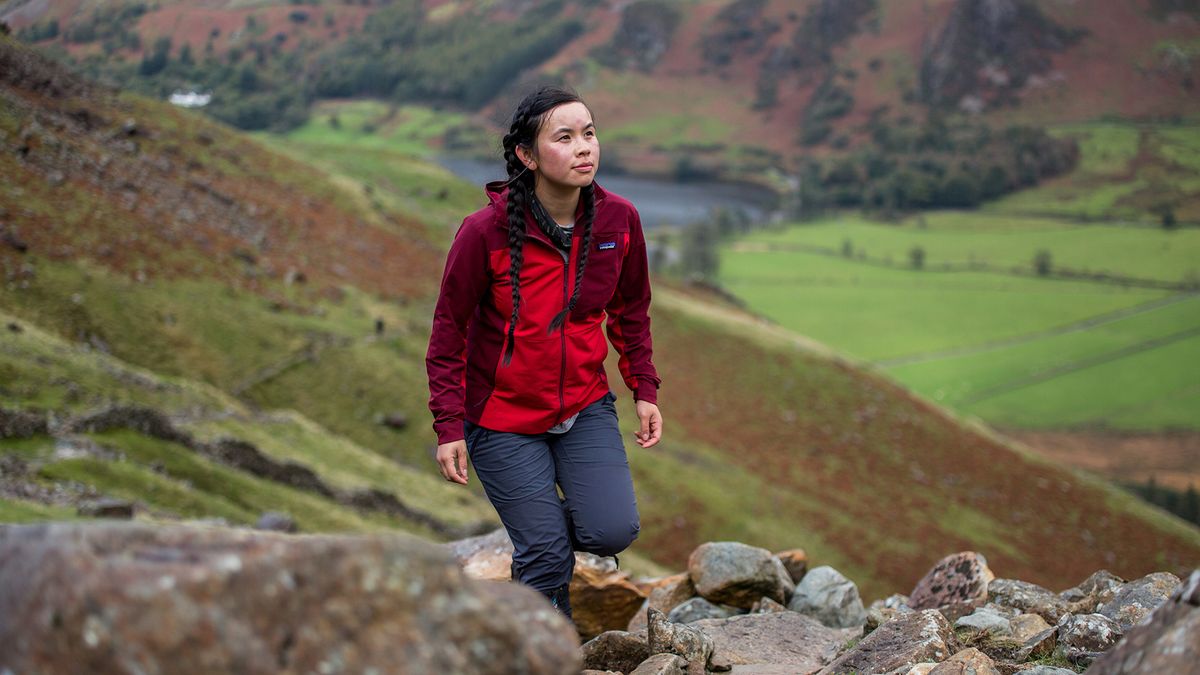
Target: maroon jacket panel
<point x="552" y="375"/>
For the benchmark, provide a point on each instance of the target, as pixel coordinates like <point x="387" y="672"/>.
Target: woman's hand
<point x="452" y="460"/>
<point x="651" y="419"/>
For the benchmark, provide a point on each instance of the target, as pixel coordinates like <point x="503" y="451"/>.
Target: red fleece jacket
<point x="552" y="375"/>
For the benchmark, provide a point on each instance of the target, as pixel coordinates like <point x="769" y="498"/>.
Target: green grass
<point x="17" y="511"/>
<point x="960" y="381"/>
<point x="1005" y="242"/>
<point x="877" y="313"/>
<point x="372" y="124"/>
<point x="1003" y="344"/>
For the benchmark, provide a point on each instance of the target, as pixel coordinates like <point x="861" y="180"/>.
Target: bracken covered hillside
<point x="153" y="258"/>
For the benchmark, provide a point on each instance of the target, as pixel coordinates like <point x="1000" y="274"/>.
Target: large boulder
<point x="115" y="596"/>
<point x="602" y="597"/>
<point x="830" y="598"/>
<point x="957" y="583"/>
<point x="779" y="639"/>
<point x="1166" y="642"/>
<point x="903" y="642"/>
<point x="1133" y="601"/>
<point x="732" y="573"/>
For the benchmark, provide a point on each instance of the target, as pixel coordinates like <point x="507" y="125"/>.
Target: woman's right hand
<point x="452" y="460"/>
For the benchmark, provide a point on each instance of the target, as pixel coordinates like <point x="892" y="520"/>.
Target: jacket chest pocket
<point x="606" y="254"/>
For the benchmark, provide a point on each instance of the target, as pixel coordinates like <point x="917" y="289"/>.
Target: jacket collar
<point x="497" y="192"/>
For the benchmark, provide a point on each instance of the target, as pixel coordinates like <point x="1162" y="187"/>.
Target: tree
<point x="154" y="62"/>
<point x="700" y="251"/>
<point x="1042" y="263"/>
<point x="916" y="256"/>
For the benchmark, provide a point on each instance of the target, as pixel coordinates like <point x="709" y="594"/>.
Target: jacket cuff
<point x="449" y="431"/>
<point x="647" y="390"/>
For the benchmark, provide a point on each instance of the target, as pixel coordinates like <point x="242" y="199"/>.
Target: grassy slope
<point x="976" y="329"/>
<point x="769" y="443"/>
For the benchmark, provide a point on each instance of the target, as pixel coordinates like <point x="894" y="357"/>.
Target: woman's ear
<point x="526" y="157"/>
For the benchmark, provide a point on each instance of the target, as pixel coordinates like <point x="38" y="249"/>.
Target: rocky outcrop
<point x="1131" y="602"/>
<point x="783" y="639"/>
<point x="958" y="582"/>
<point x="115" y="597"/>
<point x="986" y="51"/>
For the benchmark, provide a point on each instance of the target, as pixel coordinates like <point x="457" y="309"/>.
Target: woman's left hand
<point x="651" y="420"/>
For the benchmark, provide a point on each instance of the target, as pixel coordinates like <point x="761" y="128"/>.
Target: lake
<point x="660" y="202"/>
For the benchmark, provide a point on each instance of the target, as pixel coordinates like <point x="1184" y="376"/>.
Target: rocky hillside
<point x="199" y="327"/>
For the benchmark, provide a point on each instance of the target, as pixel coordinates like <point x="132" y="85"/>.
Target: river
<point x="660" y="202"/>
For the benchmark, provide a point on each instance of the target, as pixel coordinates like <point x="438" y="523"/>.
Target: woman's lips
<point x="584" y="168"/>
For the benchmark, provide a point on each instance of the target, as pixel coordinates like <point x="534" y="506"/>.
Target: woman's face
<point x="567" y="152"/>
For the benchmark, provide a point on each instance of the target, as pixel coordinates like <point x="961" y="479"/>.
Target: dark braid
<point x="526" y="122"/>
<point x="519" y="191"/>
<point x="588" y="195"/>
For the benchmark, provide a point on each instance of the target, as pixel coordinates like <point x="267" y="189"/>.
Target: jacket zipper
<point x="562" y="372"/>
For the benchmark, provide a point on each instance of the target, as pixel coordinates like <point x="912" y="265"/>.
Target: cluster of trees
<point x="268" y="82"/>
<point x="463" y="60"/>
<point x="937" y="164"/>
<point x="1183" y="503"/>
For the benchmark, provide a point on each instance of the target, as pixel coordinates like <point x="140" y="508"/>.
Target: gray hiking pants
<point x="598" y="511"/>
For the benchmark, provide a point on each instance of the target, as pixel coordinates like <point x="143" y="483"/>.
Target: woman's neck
<point x="561" y="205"/>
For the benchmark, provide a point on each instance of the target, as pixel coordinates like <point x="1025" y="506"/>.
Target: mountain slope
<point x="769" y="440"/>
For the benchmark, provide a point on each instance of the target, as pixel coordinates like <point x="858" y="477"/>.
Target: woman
<point x="516" y="357"/>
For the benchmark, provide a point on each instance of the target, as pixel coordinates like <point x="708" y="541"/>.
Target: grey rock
<point x="969" y="661"/>
<point x="985" y="620"/>
<point x="699" y="608"/>
<point x="662" y="664"/>
<point x="21" y="423"/>
<point x="1038" y="645"/>
<point x="1048" y="670"/>
<point x="1080" y="636"/>
<point x="767" y="606"/>
<point x="1098" y="582"/>
<point x="1133" y="601"/>
<point x="901" y="643"/>
<point x="1025" y="626"/>
<point x="830" y="598"/>
<point x="689" y="642"/>
<point x="733" y="573"/>
<point x="1027" y="597"/>
<point x="615" y="650"/>
<point x="1165" y="642"/>
<point x="275" y="521"/>
<point x="778" y="639"/>
<point x="106" y="508"/>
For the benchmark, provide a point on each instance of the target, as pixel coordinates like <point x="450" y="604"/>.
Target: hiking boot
<point x="560" y="599"/>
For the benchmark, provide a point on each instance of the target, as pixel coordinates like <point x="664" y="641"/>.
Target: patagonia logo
<point x="604" y="246"/>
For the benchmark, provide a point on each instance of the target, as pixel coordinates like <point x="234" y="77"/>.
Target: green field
<point x="976" y="327"/>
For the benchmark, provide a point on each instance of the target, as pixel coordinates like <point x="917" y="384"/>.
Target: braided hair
<point x="526" y="122"/>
